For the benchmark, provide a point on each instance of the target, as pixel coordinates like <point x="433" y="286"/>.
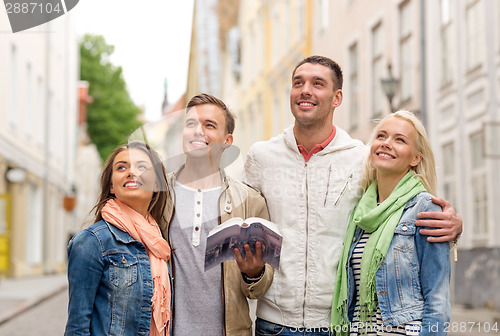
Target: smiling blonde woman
<point x="391" y="280"/>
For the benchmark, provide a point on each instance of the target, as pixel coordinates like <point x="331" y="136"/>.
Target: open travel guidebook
<point x="236" y="232"/>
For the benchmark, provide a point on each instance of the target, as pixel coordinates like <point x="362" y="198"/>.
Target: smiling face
<point x="314" y="96"/>
<point x="204" y="131"/>
<point x="394" y="148"/>
<point x="133" y="179"/>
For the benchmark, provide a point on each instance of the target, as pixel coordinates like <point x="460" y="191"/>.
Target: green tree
<point x="112" y="116"/>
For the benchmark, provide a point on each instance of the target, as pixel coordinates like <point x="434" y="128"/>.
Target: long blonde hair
<point x="425" y="169"/>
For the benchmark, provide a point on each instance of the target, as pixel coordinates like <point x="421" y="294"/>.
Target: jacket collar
<point x="225" y="197"/>
<point x="341" y="141"/>
<point x="172" y="177"/>
<point x="120" y="235"/>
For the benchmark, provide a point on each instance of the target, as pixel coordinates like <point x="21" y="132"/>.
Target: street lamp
<point x="390" y="86"/>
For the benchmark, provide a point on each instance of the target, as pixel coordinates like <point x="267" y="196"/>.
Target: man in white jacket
<point x="310" y="176"/>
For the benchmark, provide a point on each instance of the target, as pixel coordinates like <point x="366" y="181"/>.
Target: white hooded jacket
<point x="311" y="204"/>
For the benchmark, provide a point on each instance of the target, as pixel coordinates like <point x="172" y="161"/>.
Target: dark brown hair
<point x="205" y="98"/>
<point x="327" y="62"/>
<point x="158" y="202"/>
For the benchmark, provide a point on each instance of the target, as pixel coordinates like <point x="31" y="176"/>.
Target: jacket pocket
<point x="122" y="269"/>
<point x="403" y="239"/>
<point x="405" y="273"/>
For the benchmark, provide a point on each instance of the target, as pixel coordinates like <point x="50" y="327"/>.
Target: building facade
<point x="274" y="37"/>
<point x="258" y="46"/>
<point x="463" y="81"/>
<point x="38" y="107"/>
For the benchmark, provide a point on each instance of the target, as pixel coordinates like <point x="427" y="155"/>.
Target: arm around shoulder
<point x="445" y="219"/>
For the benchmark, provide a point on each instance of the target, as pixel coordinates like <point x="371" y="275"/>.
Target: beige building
<point x="463" y="85"/>
<point x="38" y="106"/>
<point x="257" y="46"/>
<point x="87" y="166"/>
<point x="274" y="37"/>
<point x="364" y="37"/>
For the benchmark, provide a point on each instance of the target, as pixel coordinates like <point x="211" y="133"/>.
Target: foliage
<point x="112" y="116"/>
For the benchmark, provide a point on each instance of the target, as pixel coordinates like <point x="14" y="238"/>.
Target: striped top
<point x="376" y="327"/>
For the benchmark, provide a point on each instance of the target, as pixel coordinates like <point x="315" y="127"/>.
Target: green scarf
<point x="381" y="221"/>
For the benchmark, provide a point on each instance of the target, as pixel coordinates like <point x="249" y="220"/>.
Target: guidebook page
<point x="235" y="232"/>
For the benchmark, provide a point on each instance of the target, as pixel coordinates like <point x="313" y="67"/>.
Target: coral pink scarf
<point x="148" y="233"/>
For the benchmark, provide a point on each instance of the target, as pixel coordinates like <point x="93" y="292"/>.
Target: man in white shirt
<point x="310" y="176"/>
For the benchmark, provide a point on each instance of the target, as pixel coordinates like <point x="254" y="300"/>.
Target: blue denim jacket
<point x="110" y="283"/>
<point x="414" y="278"/>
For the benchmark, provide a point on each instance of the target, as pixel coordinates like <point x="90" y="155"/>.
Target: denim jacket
<point x="413" y="280"/>
<point x="110" y="283"/>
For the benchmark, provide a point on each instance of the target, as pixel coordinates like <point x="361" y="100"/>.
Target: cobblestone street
<point x="48" y="318"/>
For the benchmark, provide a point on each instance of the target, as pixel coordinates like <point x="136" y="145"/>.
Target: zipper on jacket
<point x="307" y="247"/>
<point x="223" y="299"/>
<point x="327" y="185"/>
<point x="346" y="187"/>
<point x="223" y="294"/>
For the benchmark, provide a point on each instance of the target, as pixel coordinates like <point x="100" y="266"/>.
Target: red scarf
<point x="148" y="233"/>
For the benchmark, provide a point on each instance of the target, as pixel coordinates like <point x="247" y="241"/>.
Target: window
<point x="260" y="52"/>
<point x="276" y="42"/>
<point x="377" y="71"/>
<point x="449" y="185"/>
<point x="40" y="110"/>
<point x="28" y="102"/>
<point x="446" y="39"/>
<point x="353" y="86"/>
<point x="259" y="113"/>
<point x="498" y="21"/>
<point x="474" y="35"/>
<point x="301" y="18"/>
<point x="276" y="115"/>
<point x="13" y="112"/>
<point x="34" y="226"/>
<point x="252" y="116"/>
<point x="405" y="48"/>
<point x="479" y="187"/>
<point x="322" y="14"/>
<point x="287" y="27"/>
<point x="50" y="131"/>
<point x="288" y="118"/>
<point x="253" y="51"/>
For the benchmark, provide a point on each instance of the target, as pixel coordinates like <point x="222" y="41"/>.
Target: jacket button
<point x="404" y="228"/>
<point x="228" y="208"/>
<point x="124" y="261"/>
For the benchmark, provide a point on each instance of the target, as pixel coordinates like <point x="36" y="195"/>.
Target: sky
<point x="151" y="39"/>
